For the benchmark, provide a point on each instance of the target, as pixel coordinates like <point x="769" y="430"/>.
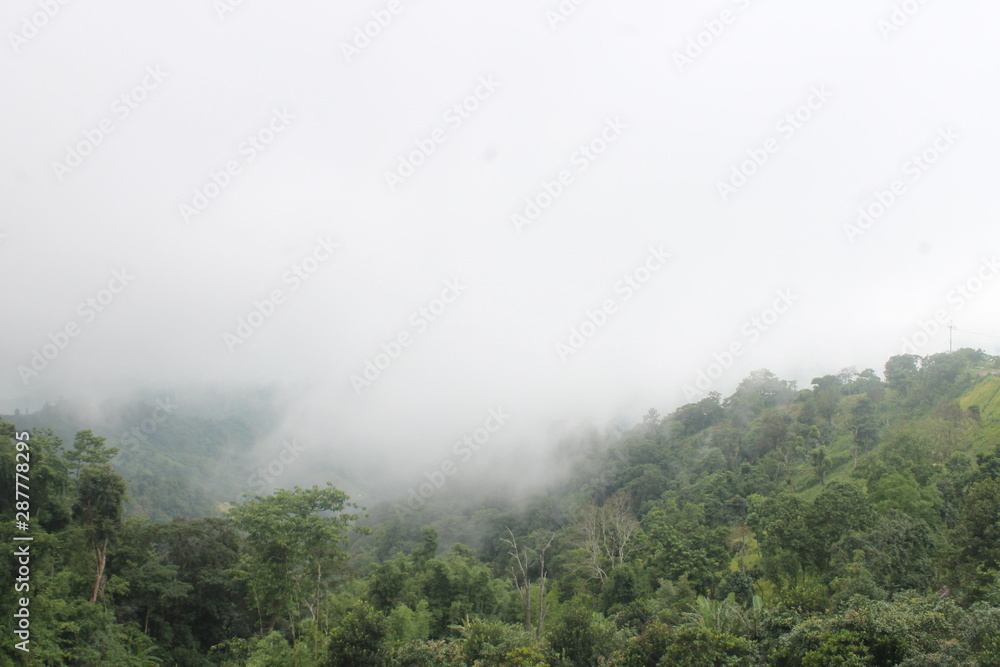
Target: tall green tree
<point x="863" y="426"/>
<point x="89" y="450"/>
<point x="819" y="457"/>
<point x="100" y="500"/>
<point x="294" y="541"/>
<point x="901" y="372"/>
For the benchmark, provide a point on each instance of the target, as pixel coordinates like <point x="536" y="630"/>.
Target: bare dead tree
<point x="589" y="528"/>
<point x="521" y="574"/>
<point x="542" y="607"/>
<point x="607" y="535"/>
<point x="522" y="582"/>
<point x="622" y="527"/>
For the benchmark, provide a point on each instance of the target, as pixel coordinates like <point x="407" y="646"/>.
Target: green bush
<point x="359" y="639"/>
<point x="694" y="646"/>
<point x="488" y="642"/>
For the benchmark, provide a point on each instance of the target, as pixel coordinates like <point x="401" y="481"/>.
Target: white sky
<point x="656" y="185"/>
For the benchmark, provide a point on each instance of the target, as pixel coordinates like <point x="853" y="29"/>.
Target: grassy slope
<point x="985" y="395"/>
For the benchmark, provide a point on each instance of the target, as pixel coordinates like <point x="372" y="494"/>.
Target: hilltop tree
<point x="863" y="426"/>
<point x="760" y="390"/>
<point x="901" y="372"/>
<point x="868" y="382"/>
<point x="89" y="450"/>
<point x="826" y="395"/>
<point x="695" y="417"/>
<point x="847" y="376"/>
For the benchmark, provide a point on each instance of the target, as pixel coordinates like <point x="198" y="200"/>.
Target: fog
<point x="569" y="211"/>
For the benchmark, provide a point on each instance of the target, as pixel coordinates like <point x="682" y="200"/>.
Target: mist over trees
<point x="852" y="522"/>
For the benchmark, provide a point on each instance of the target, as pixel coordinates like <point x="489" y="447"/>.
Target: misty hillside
<point x="852" y="522"/>
<point x="181" y="455"/>
<point x="188" y="452"/>
<point x="789" y="439"/>
<point x="534" y="333"/>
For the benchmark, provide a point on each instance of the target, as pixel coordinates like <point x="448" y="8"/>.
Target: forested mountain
<point x="854" y="522"/>
<point x="181" y="455"/>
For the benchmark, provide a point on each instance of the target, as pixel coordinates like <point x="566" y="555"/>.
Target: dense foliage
<point x="856" y="522"/>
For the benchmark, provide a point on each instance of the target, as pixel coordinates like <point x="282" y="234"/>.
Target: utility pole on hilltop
<point x="951" y="333"/>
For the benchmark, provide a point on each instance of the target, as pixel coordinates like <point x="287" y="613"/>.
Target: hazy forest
<point x="853" y="522"/>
